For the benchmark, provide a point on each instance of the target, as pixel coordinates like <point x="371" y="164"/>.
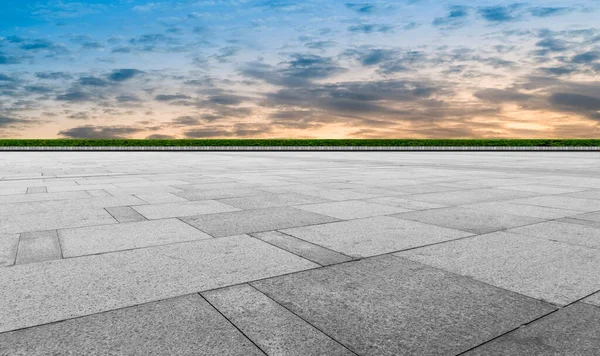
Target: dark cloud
<point x="39" y="89"/>
<point x="121" y="75"/>
<point x="207" y="133"/>
<point x="9" y="122"/>
<point x="93" y="81"/>
<point x="92" y="45"/>
<point x="455" y="19"/>
<point x="79" y="116"/>
<point x="6" y="78"/>
<point x="90" y="131"/>
<point x="576" y="101"/>
<point x="498" y="96"/>
<point x="501" y="13"/>
<point x="53" y="75"/>
<point x="160" y="137"/>
<point x="74" y="96"/>
<point x="564" y="70"/>
<point x="127" y="98"/>
<point x="320" y="44"/>
<point x="549" y="11"/>
<point x="586" y="57"/>
<point x="7" y="59"/>
<point x="225" y="53"/>
<point x="550" y="45"/>
<point x="363" y="8"/>
<point x="226" y="99"/>
<point x="121" y="50"/>
<point x="170" y="97"/>
<point x="186" y="120"/>
<point x="371" y="28"/>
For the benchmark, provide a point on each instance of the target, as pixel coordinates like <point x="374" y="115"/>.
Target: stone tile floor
<point x="306" y="253"/>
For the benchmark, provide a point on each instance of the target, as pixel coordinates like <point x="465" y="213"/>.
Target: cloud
<point x="320" y="44"/>
<point x="501" y="13"/>
<point x="90" y="131"/>
<point x="4" y="59"/>
<point x="121" y="75"/>
<point x="207" y="133"/>
<point x="10" y="122"/>
<point x="39" y="89"/>
<point x="160" y="137"/>
<point x="186" y="120"/>
<point x="549" y="11"/>
<point x="586" y="57"/>
<point x="371" y="28"/>
<point x="498" y="96"/>
<point x="53" y="75"/>
<point x="93" y="81"/>
<point x="127" y="98"/>
<point x="226" y="99"/>
<point x="363" y="9"/>
<point x="564" y="70"/>
<point x="456" y="18"/>
<point x="170" y="97"/>
<point x="74" y="96"/>
<point x="576" y="101"/>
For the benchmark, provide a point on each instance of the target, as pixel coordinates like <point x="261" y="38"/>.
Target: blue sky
<point x="281" y="68"/>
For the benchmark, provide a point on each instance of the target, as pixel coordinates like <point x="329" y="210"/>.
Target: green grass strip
<point x="301" y="142"/>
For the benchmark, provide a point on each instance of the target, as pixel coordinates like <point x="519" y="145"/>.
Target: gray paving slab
<point x="54" y="220"/>
<point x="22" y="198"/>
<point x="203" y="194"/>
<point x="38" y="246"/>
<point x="56" y="290"/>
<point x="124" y="214"/>
<point x="171" y="210"/>
<point x="374" y="236"/>
<point x="471" y="220"/>
<point x="160" y="197"/>
<point x="551" y="271"/>
<point x="98" y="193"/>
<point x="574" y="330"/>
<point x="88" y="203"/>
<point x="277" y="331"/>
<point x="270" y="200"/>
<point x="258" y="220"/>
<point x="469" y="196"/>
<point x="594" y="299"/>
<point x="595" y="216"/>
<point x="587" y="194"/>
<point x="185" y="325"/>
<point x="405" y="203"/>
<point x="583" y="222"/>
<point x="37" y="190"/>
<point x="352" y="209"/>
<point x="392" y="306"/>
<point x="329" y="194"/>
<point x="310" y="251"/>
<point x="108" y="238"/>
<point x="562" y="202"/>
<point x="574" y="234"/>
<point x="13" y="191"/>
<point x="533" y="211"/>
<point x="211" y="186"/>
<point x="543" y="189"/>
<point x="8" y="249"/>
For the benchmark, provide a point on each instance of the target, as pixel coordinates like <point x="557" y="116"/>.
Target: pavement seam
<point x="301" y="318"/>
<point x="232" y="324"/>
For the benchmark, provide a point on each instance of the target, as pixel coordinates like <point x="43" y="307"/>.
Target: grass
<point x="302" y="142"/>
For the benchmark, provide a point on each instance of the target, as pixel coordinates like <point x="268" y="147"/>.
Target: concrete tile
<point x="595" y="216"/>
<point x="171" y="210"/>
<point x="471" y="220"/>
<point x="353" y="209"/>
<point x="594" y="299"/>
<point x="469" y="196"/>
<point x="533" y="211"/>
<point x="8" y="249"/>
<point x="311" y="252"/>
<point x="218" y="193"/>
<point x="573" y="330"/>
<point x="374" y="236"/>
<point x="13" y="191"/>
<point x="573" y="234"/>
<point x="587" y="194"/>
<point x="270" y="200"/>
<point x="98" y="193"/>
<point x="551" y="271"/>
<point x="542" y="188"/>
<point x="71" y="205"/>
<point x="273" y="328"/>
<point x="21" y="198"/>
<point x="87" y="187"/>
<point x="258" y="220"/>
<point x="329" y="194"/>
<point x="211" y="186"/>
<point x="591" y="223"/>
<point x="160" y="198"/>
<point x="141" y="190"/>
<point x="427" y="188"/>
<point x="107" y="238"/>
<point x="178" y="326"/>
<point x="36" y="190"/>
<point x="73" y="287"/>
<point x="37" y="247"/>
<point x="562" y="202"/>
<point x="386" y="305"/>
<point x="124" y="214"/>
<point x="147" y="183"/>
<point x="54" y="220"/>
<point x="405" y="203"/>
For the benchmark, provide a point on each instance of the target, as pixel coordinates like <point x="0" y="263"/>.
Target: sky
<point x="299" y="69"/>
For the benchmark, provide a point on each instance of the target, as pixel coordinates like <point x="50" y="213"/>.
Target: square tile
<point x="172" y="210"/>
<point x="573" y="234"/>
<point x="270" y="200"/>
<point x="8" y="249"/>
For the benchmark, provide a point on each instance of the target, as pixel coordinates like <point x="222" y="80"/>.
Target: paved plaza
<point x="299" y="253"/>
